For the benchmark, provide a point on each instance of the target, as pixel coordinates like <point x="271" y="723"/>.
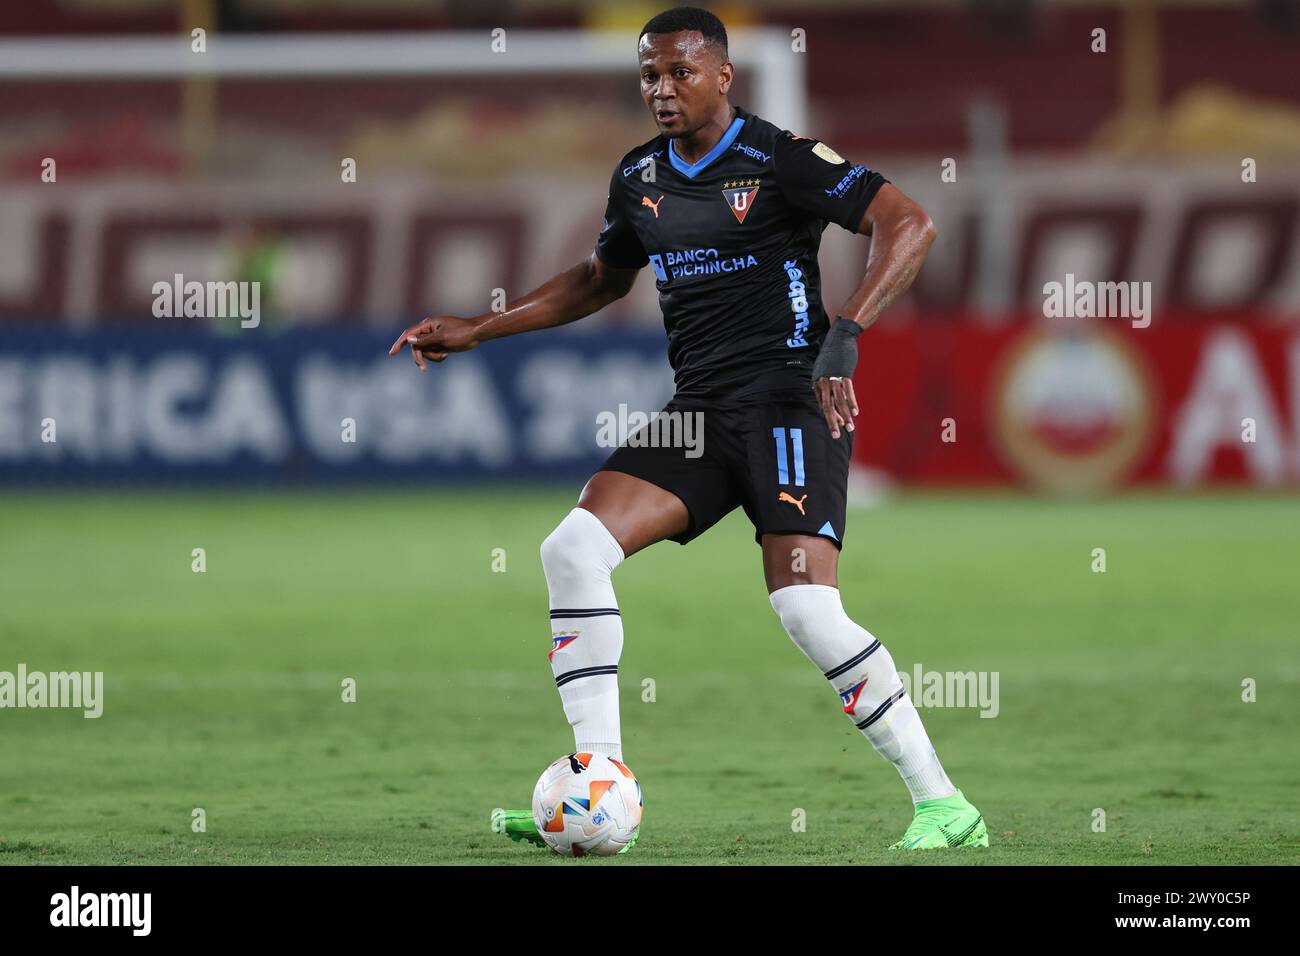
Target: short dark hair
<point x="680" y="19"/>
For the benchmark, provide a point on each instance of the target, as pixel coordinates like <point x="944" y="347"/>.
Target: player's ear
<point x="725" y="75"/>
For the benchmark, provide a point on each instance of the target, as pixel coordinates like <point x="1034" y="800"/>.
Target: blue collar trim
<point x="691" y="170"/>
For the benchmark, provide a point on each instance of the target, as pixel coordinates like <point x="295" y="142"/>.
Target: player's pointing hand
<point x="435" y="338"/>
<point x="833" y="375"/>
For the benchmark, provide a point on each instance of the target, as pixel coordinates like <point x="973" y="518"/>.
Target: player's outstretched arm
<point x="901" y="233"/>
<point x="573" y="294"/>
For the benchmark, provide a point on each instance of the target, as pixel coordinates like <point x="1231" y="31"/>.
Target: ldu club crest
<point x="740" y="196"/>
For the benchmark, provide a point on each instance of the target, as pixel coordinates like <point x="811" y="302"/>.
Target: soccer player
<point x="729" y="210"/>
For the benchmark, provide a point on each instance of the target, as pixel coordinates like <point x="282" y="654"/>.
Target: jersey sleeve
<point x="618" y="244"/>
<point x="819" y="181"/>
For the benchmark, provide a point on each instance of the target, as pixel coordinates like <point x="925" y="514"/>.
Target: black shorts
<point x="774" y="458"/>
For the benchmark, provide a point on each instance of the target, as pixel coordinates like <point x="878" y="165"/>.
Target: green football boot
<point x="948" y="822"/>
<point x="636" y="835"/>
<point x="519" y="826"/>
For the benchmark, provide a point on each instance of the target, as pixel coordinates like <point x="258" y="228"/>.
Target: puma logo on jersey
<point x="645" y="201"/>
<point x="784" y="496"/>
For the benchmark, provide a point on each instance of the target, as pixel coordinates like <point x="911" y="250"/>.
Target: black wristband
<point x="839" y="352"/>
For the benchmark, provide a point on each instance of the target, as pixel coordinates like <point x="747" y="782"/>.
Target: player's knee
<point x="578" y="548"/>
<point x="560" y="555"/>
<point x="794" y="622"/>
<point x="805" y="610"/>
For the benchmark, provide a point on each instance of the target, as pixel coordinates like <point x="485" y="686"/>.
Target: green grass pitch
<point x="1120" y="691"/>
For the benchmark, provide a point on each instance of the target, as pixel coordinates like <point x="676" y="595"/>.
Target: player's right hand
<point x="437" y="337"/>
<point x="832" y="375"/>
<point x="838" y="403"/>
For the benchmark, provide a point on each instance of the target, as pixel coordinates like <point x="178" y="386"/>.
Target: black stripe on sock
<point x="567" y="676"/>
<point x="583" y="612"/>
<point x="880" y="711"/>
<point x="836" y="672"/>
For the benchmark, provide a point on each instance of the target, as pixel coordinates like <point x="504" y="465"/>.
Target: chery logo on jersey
<point x="740" y="196"/>
<point x="641" y="163"/>
<point x="798" y="303"/>
<point x="751" y="152"/>
<point x="678" y="263"/>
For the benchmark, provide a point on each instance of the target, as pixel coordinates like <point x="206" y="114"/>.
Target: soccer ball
<point x="587" y="803"/>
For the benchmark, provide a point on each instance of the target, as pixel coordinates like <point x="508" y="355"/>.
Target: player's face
<point x="683" y="80"/>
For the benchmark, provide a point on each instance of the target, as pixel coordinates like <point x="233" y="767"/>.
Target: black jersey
<point x="733" y="242"/>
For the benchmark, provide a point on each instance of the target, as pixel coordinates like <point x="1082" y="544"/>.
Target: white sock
<point x="863" y="674"/>
<point x="586" y="629"/>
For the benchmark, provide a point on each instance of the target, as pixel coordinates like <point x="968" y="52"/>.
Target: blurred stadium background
<point x="483" y="136"/>
<point x="480" y="169"/>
